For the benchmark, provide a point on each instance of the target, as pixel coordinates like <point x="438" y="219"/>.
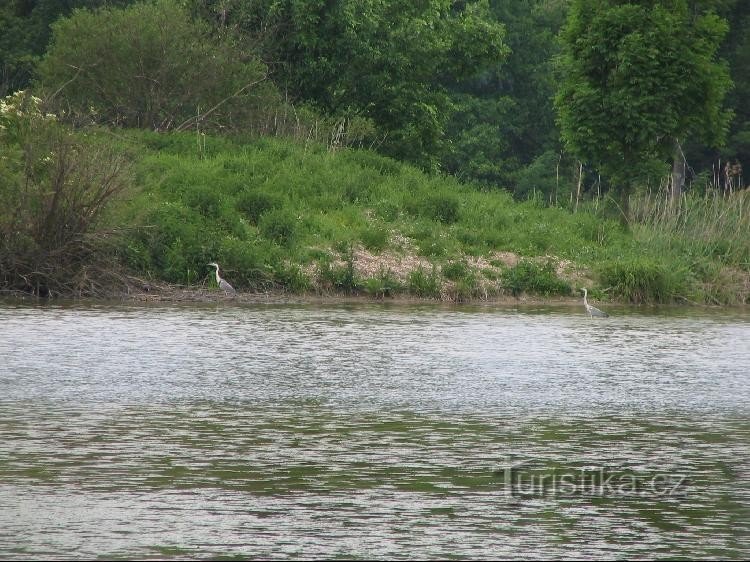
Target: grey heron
<point x="592" y="310"/>
<point x="227" y="288"/>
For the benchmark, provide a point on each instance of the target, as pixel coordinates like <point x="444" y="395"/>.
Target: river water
<point x="373" y="431"/>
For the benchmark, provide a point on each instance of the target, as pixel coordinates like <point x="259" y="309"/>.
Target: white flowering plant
<point x="54" y="185"/>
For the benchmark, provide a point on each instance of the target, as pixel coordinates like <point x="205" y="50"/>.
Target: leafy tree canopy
<point x="389" y="61"/>
<point x="635" y="76"/>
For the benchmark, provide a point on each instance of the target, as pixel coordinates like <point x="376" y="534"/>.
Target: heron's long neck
<point x="584" y="295"/>
<point x="218" y="279"/>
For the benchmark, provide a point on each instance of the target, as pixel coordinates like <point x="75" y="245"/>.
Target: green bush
<point x="530" y="277"/>
<point x="207" y="201"/>
<point x="374" y="238"/>
<point x="154" y="67"/>
<point x="338" y="277"/>
<point x="465" y="288"/>
<point x="424" y="284"/>
<point x="384" y="285"/>
<point x="358" y="189"/>
<point x="540" y="237"/>
<point x="388" y="210"/>
<point x="455" y="271"/>
<point x="253" y="204"/>
<point x="251" y="265"/>
<point x="642" y="280"/>
<point x="540" y="179"/>
<point x="177" y="239"/>
<point x="442" y="207"/>
<point x="592" y="229"/>
<point x="184" y="144"/>
<point x="279" y="225"/>
<point x="293" y="279"/>
<point x="55" y="188"/>
<point x="432" y="247"/>
<point x="382" y="164"/>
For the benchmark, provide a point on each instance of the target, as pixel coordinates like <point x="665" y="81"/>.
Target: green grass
<point x="531" y="277"/>
<point x="281" y="215"/>
<point x="643" y="280"/>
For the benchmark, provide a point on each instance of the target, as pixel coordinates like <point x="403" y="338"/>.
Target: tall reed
<point x="709" y="233"/>
<point x="711" y="225"/>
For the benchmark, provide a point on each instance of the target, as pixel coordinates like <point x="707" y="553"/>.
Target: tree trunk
<point x="578" y="188"/>
<point x="678" y="173"/>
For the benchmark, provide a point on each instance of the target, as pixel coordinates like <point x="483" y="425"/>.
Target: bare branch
<point x="78" y="71"/>
<point x="197" y="118"/>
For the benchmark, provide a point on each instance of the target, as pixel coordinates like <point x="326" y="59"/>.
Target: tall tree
<point x="638" y="77"/>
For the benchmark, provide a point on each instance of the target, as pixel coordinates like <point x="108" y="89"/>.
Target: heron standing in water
<point x="228" y="289"/>
<point x="592" y="310"/>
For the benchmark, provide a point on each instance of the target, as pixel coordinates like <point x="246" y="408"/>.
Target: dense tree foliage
<point x="25" y="32"/>
<point x="392" y="62"/>
<point x="737" y="51"/>
<point x="150" y="66"/>
<point x="460" y="86"/>
<point x="638" y="77"/>
<point x="504" y="118"/>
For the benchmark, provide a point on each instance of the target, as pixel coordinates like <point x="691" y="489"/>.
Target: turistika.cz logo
<point x="526" y="479"/>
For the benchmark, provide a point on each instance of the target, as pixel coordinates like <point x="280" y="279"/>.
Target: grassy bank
<point x="302" y="219"/>
<point x="91" y="212"/>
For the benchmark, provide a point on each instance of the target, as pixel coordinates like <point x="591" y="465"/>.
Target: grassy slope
<point x="280" y="215"/>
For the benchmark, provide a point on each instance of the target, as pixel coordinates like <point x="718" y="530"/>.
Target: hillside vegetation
<point x="279" y="215"/>
<point x="443" y="149"/>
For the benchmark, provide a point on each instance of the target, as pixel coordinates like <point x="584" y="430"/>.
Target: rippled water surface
<point x="373" y="431"/>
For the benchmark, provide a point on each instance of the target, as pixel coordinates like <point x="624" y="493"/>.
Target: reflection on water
<point x="372" y="432"/>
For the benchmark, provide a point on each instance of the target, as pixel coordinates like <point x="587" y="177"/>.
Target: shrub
<point x="423" y="284"/>
<point x="428" y="239"/>
<point x="541" y="179"/>
<point x="358" y="189"/>
<point x="374" y="238"/>
<point x="250" y="265"/>
<point x="368" y="159"/>
<point x="338" y="277"/>
<point x="171" y="74"/>
<point x="384" y="285"/>
<point x="642" y="280"/>
<point x="388" y="210"/>
<point x="592" y="229"/>
<point x="54" y="189"/>
<point x="455" y="271"/>
<point x="431" y="246"/>
<point x="293" y="279"/>
<point x="279" y="225"/>
<point x="465" y="288"/>
<point x="177" y="240"/>
<point x="530" y="277"/>
<point x="207" y="201"/>
<point x="443" y="207"/>
<point x="254" y="203"/>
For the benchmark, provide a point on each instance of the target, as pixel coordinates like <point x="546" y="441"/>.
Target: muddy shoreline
<point x="163" y="293"/>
